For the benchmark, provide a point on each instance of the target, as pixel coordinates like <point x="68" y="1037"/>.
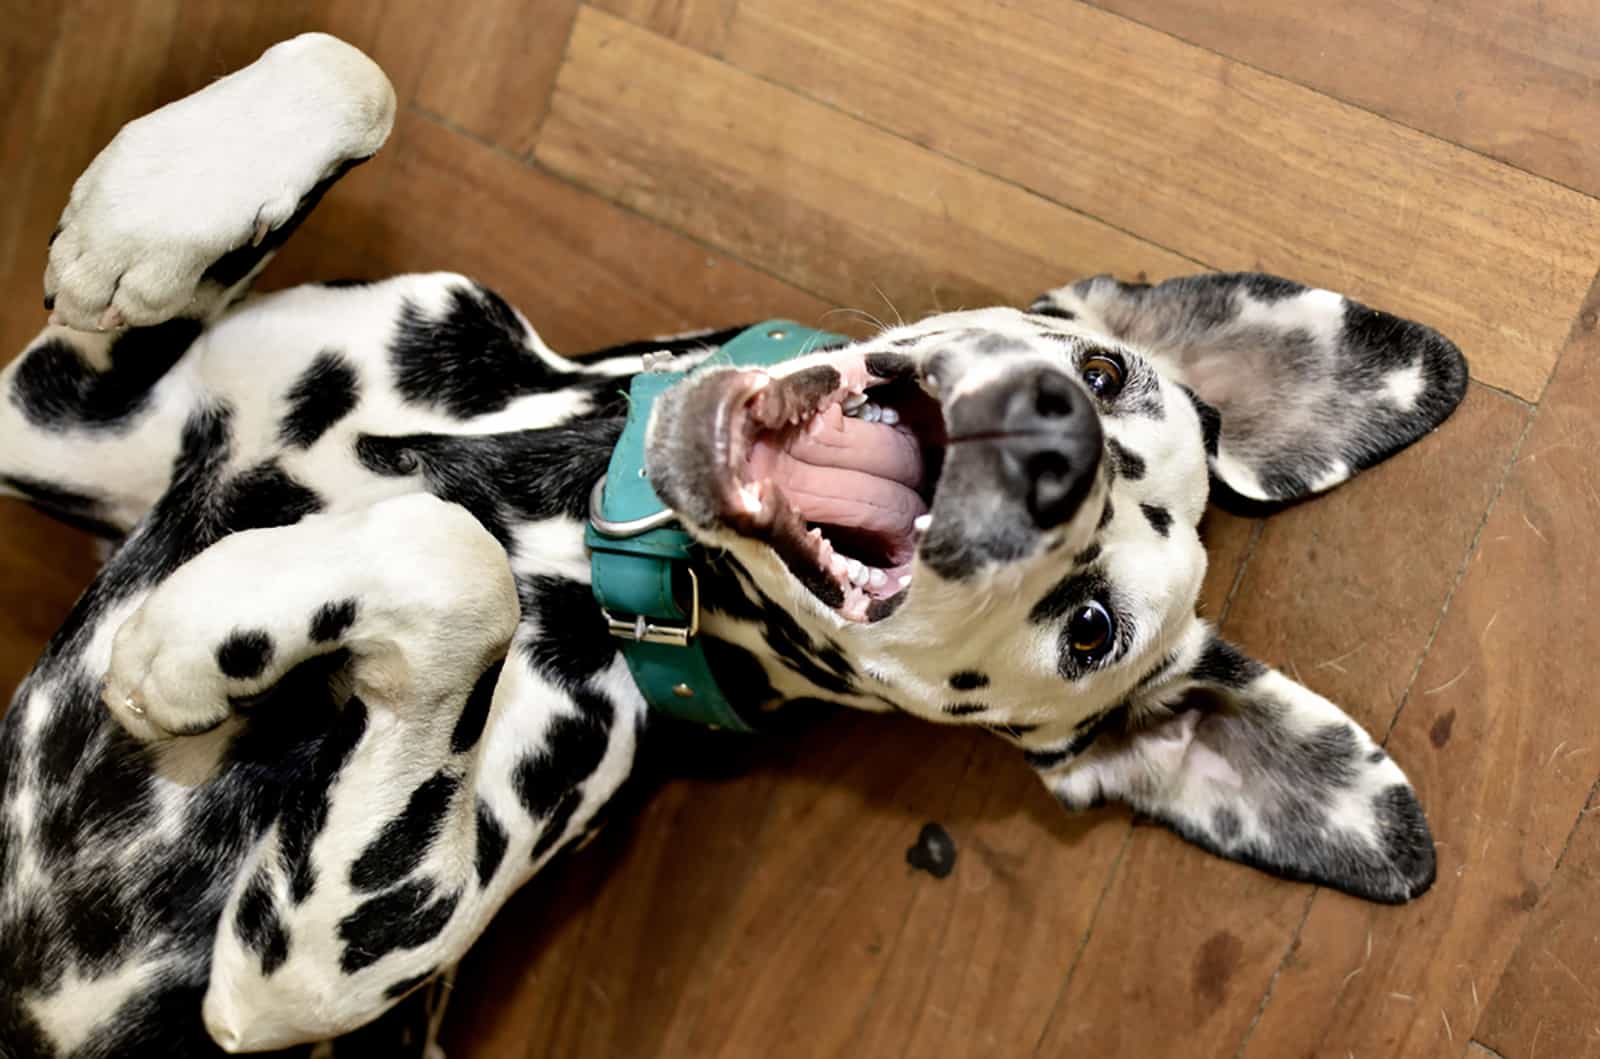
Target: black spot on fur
<point x="305" y="811"/>
<point x="968" y="679"/>
<point x="1160" y="518"/>
<point x="406" y="985"/>
<point x="404" y="841"/>
<point x="547" y="781"/>
<point x="324" y="393"/>
<point x="472" y="358"/>
<point x="265" y="496"/>
<point x="1125" y="462"/>
<point x="573" y="643"/>
<point x="57" y="390"/>
<point x="406" y="917"/>
<point x="333" y="620"/>
<point x="934" y="851"/>
<point x="1403" y="831"/>
<point x="491" y="844"/>
<point x="1223" y="664"/>
<point x="964" y="709"/>
<point x="258" y="926"/>
<point x="244" y="655"/>
<point x="1106" y="516"/>
<point x="503" y="479"/>
<point x="344" y="283"/>
<point x="475" y="712"/>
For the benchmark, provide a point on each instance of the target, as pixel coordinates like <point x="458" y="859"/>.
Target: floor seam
<point x="1272" y="983"/>
<point x="1088" y="935"/>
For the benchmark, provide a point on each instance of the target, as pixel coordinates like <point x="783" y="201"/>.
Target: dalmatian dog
<point x="342" y="685"/>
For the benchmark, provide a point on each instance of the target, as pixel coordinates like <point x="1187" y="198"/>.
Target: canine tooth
<point x="854" y="401"/>
<point x="888" y="417"/>
<point x="750" y="495"/>
<point x="877" y="578"/>
<point x="921" y="523"/>
<point x="905" y="581"/>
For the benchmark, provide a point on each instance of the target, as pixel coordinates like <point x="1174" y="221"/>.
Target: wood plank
<point x="1202" y="154"/>
<point x="1549" y="992"/>
<point x="1342" y="592"/>
<point x="1503" y="744"/>
<point x="698" y="24"/>
<point x="585" y="273"/>
<point x="1515" y="80"/>
<point x="820" y="199"/>
<point x="491" y="67"/>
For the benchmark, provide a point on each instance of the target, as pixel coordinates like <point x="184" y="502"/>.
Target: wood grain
<point x="822" y="200"/>
<point x="1206" y="156"/>
<point x="1502" y="743"/>
<point x="1514" y="80"/>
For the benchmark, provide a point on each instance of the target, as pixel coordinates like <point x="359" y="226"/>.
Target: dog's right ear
<point x="1307" y="386"/>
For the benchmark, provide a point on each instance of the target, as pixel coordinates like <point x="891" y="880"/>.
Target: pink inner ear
<point x="845" y="472"/>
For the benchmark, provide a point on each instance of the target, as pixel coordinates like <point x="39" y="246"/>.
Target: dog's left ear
<point x="1254" y="767"/>
<point x="1310" y="387"/>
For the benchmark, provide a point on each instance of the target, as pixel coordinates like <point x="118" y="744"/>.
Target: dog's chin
<point x="833" y="467"/>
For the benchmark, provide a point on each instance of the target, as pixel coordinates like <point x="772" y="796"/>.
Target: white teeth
<point x="858" y="573"/>
<point x="905" y="581"/>
<point x="871" y="413"/>
<point x="854" y="401"/>
<point x="877" y="578"/>
<point x="921" y="523"/>
<point x="888" y="417"/>
<point x="750" y="495"/>
<point x="839" y="565"/>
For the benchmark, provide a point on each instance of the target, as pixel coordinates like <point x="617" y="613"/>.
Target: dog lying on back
<point x="342" y="685"/>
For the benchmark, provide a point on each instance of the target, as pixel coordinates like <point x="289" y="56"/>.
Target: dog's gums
<point x="834" y="467"/>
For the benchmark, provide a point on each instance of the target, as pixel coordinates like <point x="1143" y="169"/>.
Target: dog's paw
<point x="170" y="676"/>
<point x="217" y="172"/>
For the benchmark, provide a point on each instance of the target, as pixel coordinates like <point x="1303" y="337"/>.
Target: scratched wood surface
<point x="626" y="167"/>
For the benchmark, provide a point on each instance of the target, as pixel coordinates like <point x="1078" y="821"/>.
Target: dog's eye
<point x="1103" y="375"/>
<point x="1089" y="633"/>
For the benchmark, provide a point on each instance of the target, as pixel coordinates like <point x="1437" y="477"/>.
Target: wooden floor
<point x="628" y="167"/>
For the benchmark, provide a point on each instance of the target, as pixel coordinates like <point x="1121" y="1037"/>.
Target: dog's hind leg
<point x="449" y="774"/>
<point x="169" y="226"/>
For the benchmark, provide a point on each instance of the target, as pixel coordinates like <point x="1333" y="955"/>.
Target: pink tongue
<point x="846" y="472"/>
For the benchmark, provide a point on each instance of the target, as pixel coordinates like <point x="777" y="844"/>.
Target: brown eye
<point x="1089" y="633"/>
<point x="1103" y="375"/>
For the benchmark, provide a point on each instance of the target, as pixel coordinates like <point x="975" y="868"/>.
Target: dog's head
<point x="991" y="517"/>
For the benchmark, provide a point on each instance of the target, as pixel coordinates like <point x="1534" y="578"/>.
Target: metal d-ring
<point x="630" y="528"/>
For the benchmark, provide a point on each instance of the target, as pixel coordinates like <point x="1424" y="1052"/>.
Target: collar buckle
<point x="642" y="630"/>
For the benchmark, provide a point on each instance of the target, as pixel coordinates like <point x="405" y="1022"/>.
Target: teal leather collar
<point x="643" y="567"/>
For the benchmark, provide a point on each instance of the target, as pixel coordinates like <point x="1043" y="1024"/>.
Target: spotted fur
<point x="341" y="685"/>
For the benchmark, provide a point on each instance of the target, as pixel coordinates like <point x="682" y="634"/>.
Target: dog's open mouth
<point x="834" y="467"/>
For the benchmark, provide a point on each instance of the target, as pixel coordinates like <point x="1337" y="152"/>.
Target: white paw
<point x="163" y="681"/>
<point x="216" y="171"/>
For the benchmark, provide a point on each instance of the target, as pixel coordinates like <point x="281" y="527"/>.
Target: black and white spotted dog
<point x="341" y="686"/>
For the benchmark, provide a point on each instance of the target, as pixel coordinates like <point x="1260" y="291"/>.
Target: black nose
<point x="1048" y="433"/>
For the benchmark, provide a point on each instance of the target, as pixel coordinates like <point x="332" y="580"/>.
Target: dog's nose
<point x="1048" y="433"/>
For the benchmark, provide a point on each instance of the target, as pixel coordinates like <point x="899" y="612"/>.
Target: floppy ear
<point x="1254" y="767"/>
<point x="1310" y="386"/>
